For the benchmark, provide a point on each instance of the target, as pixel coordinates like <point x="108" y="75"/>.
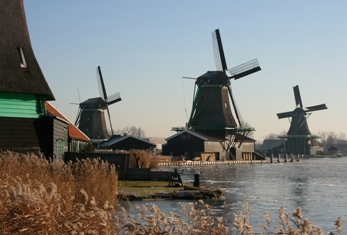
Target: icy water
<point x="317" y="185"/>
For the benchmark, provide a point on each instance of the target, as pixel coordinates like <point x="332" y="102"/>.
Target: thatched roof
<point x="14" y="35"/>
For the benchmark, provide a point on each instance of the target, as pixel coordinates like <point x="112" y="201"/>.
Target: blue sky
<point x="145" y="47"/>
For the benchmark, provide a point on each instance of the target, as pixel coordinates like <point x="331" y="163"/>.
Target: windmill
<point x="91" y="114"/>
<point x="211" y="112"/>
<point x="299" y="136"/>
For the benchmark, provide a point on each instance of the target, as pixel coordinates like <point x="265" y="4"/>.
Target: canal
<point x="317" y="185"/>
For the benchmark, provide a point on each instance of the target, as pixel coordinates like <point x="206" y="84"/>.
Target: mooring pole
<point x="196" y="182"/>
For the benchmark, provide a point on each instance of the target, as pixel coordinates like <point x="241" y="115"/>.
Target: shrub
<point x="88" y="148"/>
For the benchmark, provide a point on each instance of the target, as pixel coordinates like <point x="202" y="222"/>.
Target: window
<point x="22" y="61"/>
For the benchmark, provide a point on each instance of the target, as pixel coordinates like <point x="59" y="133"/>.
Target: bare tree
<point x="273" y="136"/>
<point x="342" y="138"/>
<point x="329" y="138"/>
<point x="251" y="133"/>
<point x="133" y="131"/>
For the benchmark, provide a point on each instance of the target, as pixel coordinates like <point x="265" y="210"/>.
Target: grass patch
<point x="144" y="188"/>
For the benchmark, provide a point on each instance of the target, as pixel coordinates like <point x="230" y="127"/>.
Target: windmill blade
<point x="245" y="69"/>
<point x="113" y="98"/>
<point x="101" y="85"/>
<point x="236" y="110"/>
<point x="284" y="115"/>
<point x="297" y="96"/>
<point x="79" y="97"/>
<point x="218" y="51"/>
<point x="316" y="108"/>
<point x="109" y="118"/>
<point x="78" y="117"/>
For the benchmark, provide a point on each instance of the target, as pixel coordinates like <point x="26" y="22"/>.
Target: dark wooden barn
<point x="272" y="146"/>
<point x="281" y="146"/>
<point x="127" y="142"/>
<point x="337" y="149"/>
<point x="334" y="150"/>
<point x="192" y="144"/>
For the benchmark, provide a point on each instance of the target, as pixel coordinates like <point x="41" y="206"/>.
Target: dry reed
<point x="38" y="196"/>
<point x="143" y="159"/>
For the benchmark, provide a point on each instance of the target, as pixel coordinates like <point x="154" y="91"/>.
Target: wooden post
<point x="278" y="158"/>
<point x="126" y="164"/>
<point x="271" y="158"/>
<point x="286" y="158"/>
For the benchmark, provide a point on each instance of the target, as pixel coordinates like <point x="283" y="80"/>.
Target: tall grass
<point x="51" y="197"/>
<point x="38" y="196"/>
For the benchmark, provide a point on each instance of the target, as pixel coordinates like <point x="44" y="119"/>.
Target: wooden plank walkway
<point x="194" y="163"/>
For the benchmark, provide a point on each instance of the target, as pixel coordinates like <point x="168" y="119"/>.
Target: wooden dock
<point x="195" y="163"/>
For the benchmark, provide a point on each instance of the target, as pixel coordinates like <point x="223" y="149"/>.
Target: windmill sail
<point x="245" y="69"/>
<point x="284" y="115"/>
<point x="218" y="51"/>
<point x="101" y="85"/>
<point x="114" y="98"/>
<point x="297" y="96"/>
<point x="316" y="107"/>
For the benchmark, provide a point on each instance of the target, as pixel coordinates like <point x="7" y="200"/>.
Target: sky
<point x="144" y="48"/>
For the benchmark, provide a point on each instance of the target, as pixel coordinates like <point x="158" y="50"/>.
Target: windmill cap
<point x="93" y="103"/>
<point x="213" y="78"/>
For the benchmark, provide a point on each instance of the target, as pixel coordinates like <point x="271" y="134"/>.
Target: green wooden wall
<point x="21" y="105"/>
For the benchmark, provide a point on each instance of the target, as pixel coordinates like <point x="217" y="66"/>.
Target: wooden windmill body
<point x="91" y="114"/>
<point x="214" y="111"/>
<point x="299" y="138"/>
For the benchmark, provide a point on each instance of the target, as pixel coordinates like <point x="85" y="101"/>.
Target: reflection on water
<point x="317" y="185"/>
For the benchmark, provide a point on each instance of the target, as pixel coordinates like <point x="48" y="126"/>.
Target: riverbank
<point x="159" y="190"/>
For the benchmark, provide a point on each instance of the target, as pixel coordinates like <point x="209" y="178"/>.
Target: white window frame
<point x="22" y="60"/>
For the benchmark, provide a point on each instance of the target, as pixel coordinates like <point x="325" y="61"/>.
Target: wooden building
<point x="77" y="140"/>
<point x="272" y="146"/>
<point x="25" y="126"/>
<point x="282" y="146"/>
<point x="337" y="149"/>
<point x="334" y="150"/>
<point x="127" y="142"/>
<point x="192" y="144"/>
